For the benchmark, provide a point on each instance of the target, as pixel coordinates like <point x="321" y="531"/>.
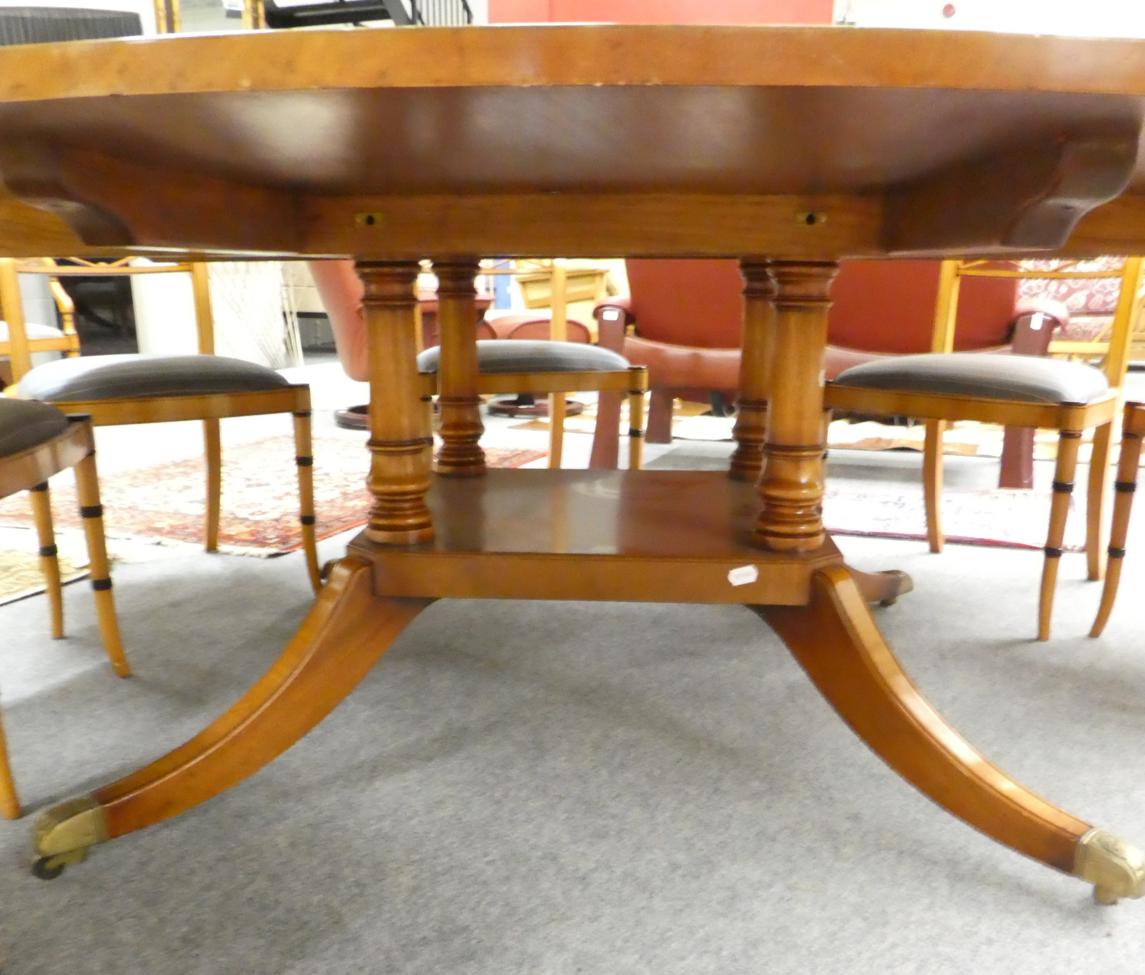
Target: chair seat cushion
<point x="987" y="375"/>
<point x="24" y="425"/>
<point x="33" y="330"/>
<point x="494" y="356"/>
<point x="100" y="377"/>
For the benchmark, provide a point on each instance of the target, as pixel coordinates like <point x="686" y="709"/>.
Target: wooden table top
<point x="579" y="140"/>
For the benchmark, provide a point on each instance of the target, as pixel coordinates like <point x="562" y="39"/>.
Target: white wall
<point x="1091" y="18"/>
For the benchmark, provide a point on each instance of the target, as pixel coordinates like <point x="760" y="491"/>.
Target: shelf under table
<point x="657" y="536"/>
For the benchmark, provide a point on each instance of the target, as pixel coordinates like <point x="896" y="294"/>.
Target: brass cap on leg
<point x="72" y="825"/>
<point x="1115" y="868"/>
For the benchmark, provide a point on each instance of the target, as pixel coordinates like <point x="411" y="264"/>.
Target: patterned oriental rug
<point x="691" y="423"/>
<point x="997" y="517"/>
<point x="164" y="504"/>
<point x="20" y="574"/>
<point x="876" y="508"/>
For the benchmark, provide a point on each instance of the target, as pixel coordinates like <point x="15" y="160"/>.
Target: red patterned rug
<point x="165" y="503"/>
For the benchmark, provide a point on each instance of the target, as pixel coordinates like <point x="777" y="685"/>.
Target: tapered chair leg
<point x="91" y="511"/>
<point x="635" y="427"/>
<point x="932" y="483"/>
<point x="1096" y="492"/>
<point x="1126" y="485"/>
<point x="9" y="804"/>
<point x="1068" y="444"/>
<point x="49" y="556"/>
<point x="212" y="451"/>
<point x="557" y="413"/>
<point x="304" y="459"/>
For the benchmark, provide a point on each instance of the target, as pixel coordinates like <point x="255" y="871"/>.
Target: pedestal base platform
<point x="652" y="536"/>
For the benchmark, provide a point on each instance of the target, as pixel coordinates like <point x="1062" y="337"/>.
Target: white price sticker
<point x="743" y="575"/>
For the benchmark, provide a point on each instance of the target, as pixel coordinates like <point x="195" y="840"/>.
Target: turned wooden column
<point x="750" y="429"/>
<point x="460" y="454"/>
<point x="791" y="487"/>
<point x="401" y="442"/>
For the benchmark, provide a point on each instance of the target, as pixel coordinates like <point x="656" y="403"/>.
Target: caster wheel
<point x="47" y="868"/>
<point x="50" y="867"/>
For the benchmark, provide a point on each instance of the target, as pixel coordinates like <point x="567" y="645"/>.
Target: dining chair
<point x="1016" y="390"/>
<point x="37" y="441"/>
<point x="138" y="388"/>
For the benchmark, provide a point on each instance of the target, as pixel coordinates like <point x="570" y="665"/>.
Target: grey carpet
<point x="569" y="788"/>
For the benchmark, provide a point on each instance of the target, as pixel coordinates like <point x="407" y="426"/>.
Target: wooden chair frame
<point x="29" y="470"/>
<point x="1113" y="348"/>
<point x="20" y="347"/>
<point x="1071" y="420"/>
<point x="632" y="381"/>
<point x="293" y="399"/>
<point x="1132" y="432"/>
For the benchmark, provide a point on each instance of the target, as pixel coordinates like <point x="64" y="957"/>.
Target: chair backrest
<point x="1108" y="288"/>
<point x="20" y="346"/>
<point x="894" y="306"/>
<point x="537" y="329"/>
<point x="687" y="302"/>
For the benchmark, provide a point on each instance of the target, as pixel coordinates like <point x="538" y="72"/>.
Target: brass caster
<point x="906" y="584"/>
<point x="64" y="833"/>
<point x="1115" y="868"/>
<point x="49" y="868"/>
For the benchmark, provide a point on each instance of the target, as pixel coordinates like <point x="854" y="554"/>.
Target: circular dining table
<point x="787" y="148"/>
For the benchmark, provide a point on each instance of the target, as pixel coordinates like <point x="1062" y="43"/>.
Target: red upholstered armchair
<point x="682" y="319"/>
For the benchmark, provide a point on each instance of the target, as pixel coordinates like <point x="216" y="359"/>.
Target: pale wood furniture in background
<point x="37" y="441"/>
<point x="969" y="143"/>
<point x="545" y="283"/>
<point x="540" y="283"/>
<point x="168" y="16"/>
<point x="115" y="390"/>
